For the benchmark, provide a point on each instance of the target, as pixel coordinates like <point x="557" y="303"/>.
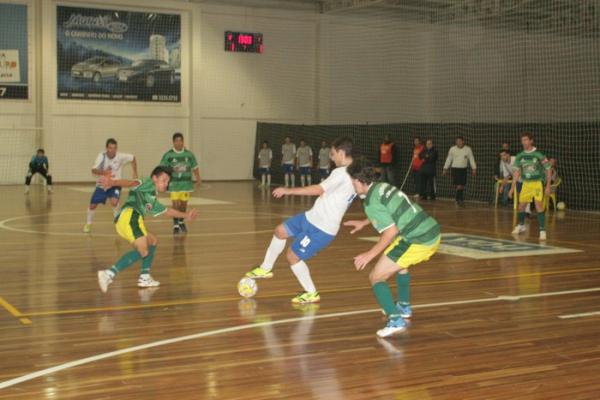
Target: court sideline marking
<point x="580" y="315"/>
<point x="14" y="312"/>
<point x="216" y="332"/>
<point x="202" y="300"/>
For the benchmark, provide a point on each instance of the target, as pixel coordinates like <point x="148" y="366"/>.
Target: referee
<point x="459" y="157"/>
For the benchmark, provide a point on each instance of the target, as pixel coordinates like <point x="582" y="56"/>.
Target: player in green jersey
<point x="183" y="163"/>
<point x="409" y="236"/>
<point x="536" y="172"/>
<point x="130" y="224"/>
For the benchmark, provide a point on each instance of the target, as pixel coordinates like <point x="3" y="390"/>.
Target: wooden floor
<point x="497" y="328"/>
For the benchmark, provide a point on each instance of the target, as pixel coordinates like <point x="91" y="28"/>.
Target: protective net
<point x="486" y="70"/>
<point x="19" y="145"/>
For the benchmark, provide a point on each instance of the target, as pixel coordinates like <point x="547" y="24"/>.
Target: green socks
<point x="125" y="261"/>
<point x="521" y="217"/>
<point x="147" y="261"/>
<point x="542" y="220"/>
<point x="384" y="297"/>
<point x="403" y="282"/>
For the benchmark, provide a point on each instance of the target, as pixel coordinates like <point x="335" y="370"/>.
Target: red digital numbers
<point x="246" y="40"/>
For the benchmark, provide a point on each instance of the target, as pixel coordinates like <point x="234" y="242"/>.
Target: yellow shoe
<point x="87" y="228"/>
<point x="259" y="273"/>
<point x="306" y="298"/>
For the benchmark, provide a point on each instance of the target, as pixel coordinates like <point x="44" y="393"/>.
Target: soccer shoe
<point x="306" y="298"/>
<point x="49" y="189"/>
<point x="105" y="278"/>
<point x="146" y="281"/>
<point x="393" y="327"/>
<point x="519" y="229"/>
<point x="176" y="229"/>
<point x="307" y="308"/>
<point x="183" y="227"/>
<point x="259" y="273"/>
<point x="26" y="189"/>
<point x="405" y="310"/>
<point x="87" y="228"/>
<point x="542" y="235"/>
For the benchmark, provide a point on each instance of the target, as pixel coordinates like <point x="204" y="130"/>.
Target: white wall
<point x="235" y="90"/>
<point x="223" y="94"/>
<point x="376" y="68"/>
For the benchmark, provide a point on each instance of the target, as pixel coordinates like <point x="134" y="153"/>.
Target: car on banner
<point x="149" y="72"/>
<point x="96" y="69"/>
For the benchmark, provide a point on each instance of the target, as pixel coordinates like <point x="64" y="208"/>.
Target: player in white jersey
<point x="108" y="163"/>
<point x="315" y="229"/>
<point x="324" y="161"/>
<point x="288" y="159"/>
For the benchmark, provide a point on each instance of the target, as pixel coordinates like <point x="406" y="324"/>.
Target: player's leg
<point x="175" y="203"/>
<point x="98" y="197"/>
<point x="525" y="197"/>
<point x="383" y="270"/>
<point x="28" y="179"/>
<point x="276" y="247"/>
<point x="183" y="208"/>
<point x="306" y="245"/>
<point x="114" y="194"/>
<point x="309" y="177"/>
<point x="263" y="177"/>
<point x="145" y="280"/>
<point x="539" y="206"/>
<point x="48" y="181"/>
<point x="130" y="227"/>
<point x="302" y="177"/>
<point x="268" y="177"/>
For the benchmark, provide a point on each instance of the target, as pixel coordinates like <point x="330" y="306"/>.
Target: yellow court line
<point x="274" y="295"/>
<point x="14" y="312"/>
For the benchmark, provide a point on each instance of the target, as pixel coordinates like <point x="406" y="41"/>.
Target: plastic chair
<point x="552" y="196"/>
<point x="497" y="195"/>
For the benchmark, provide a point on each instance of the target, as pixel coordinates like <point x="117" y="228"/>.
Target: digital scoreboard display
<point x="244" y="42"/>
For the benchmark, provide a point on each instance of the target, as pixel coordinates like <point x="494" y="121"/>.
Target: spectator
<point x="429" y="156"/>
<point x="415" y="166"/>
<point x="387" y="160"/>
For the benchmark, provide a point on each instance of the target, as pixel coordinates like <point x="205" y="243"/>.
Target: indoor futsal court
<point x="299" y="199"/>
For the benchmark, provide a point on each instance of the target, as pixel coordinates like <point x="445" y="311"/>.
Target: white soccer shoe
<point x="146" y="281"/>
<point x="542" y="235"/>
<point x="105" y="278"/>
<point x="519" y="229"/>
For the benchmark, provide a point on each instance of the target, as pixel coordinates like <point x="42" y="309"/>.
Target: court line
<point x="14" y="312"/>
<point x="580" y="315"/>
<point x="276" y="295"/>
<point x="216" y="332"/>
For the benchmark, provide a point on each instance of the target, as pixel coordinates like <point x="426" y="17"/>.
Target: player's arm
<point x="357" y="225"/>
<point x="515" y="178"/>
<point x="472" y="162"/>
<point x="387" y="236"/>
<point x="189" y="215"/>
<point x="448" y="162"/>
<point x="107" y="182"/>
<point x="197" y="175"/>
<point x="134" y="167"/>
<point x="312" y="190"/>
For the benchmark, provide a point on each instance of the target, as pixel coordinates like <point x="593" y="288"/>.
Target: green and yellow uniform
<point x="141" y="201"/>
<point x="533" y="166"/>
<point x="419" y="236"/>
<point x="182" y="163"/>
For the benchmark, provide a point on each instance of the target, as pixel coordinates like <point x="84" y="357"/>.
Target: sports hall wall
<point x="317" y="69"/>
<point x="223" y="94"/>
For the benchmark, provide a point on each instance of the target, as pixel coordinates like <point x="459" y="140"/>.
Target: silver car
<point x="96" y="69"/>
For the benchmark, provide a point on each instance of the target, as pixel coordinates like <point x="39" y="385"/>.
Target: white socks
<point x="275" y="248"/>
<point x="262" y="179"/>
<point x="90" y="216"/>
<point x="300" y="269"/>
<point x="309" y="179"/>
<point x="287" y="180"/>
<point x="269" y="180"/>
<point x="302" y="181"/>
<point x="293" y="180"/>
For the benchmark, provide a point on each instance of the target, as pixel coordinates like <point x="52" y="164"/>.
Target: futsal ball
<point x="247" y="287"/>
<point x="561" y="205"/>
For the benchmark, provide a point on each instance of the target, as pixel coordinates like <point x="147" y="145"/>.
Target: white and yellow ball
<point x="247" y="287"/>
<point x="561" y="205"/>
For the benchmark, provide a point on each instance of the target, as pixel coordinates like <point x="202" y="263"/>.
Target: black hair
<point x="503" y="151"/>
<point x="527" y="134"/>
<point x="177" y="135"/>
<point x="41" y="151"/>
<point x="362" y="170"/>
<point x="460" y="137"/>
<point x="266" y="142"/>
<point x="345" y="144"/>
<point x="111" y="141"/>
<point x="161" y="169"/>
